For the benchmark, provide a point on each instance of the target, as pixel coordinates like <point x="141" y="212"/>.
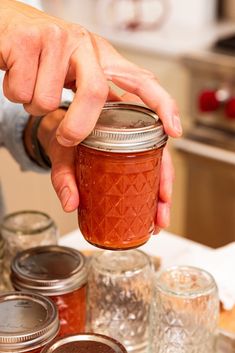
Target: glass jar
<point x="57" y="272"/>
<point x="185" y="311"/>
<point x="27" y="322"/>
<point x="89" y="343"/>
<point x="118" y="173"/>
<point x="25" y="229"/>
<point x="119" y="297"/>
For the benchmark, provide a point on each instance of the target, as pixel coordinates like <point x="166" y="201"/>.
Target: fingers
<point x="89" y="99"/>
<point x="63" y="176"/>
<point x="165" y="192"/>
<point x="141" y="83"/>
<point x="53" y="66"/>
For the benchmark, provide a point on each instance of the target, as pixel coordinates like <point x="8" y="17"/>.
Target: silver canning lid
<point x="49" y="270"/>
<point x="126" y="127"/>
<point x="27" y="321"/>
<point x="84" y="343"/>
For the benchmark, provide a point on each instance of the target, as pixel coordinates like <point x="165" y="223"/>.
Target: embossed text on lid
<point x="26" y="320"/>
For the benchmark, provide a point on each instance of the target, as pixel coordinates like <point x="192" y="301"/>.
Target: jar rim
<point x="50" y="223"/>
<point x="209" y="284"/>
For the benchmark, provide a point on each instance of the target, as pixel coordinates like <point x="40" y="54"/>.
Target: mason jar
<point x="25" y="229"/>
<point x="118" y="173"/>
<point x="92" y="343"/>
<point x="119" y="297"/>
<point x="185" y="309"/>
<point x="59" y="273"/>
<point x="27" y="322"/>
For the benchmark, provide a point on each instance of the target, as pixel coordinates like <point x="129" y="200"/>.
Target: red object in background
<point x="207" y="101"/>
<point x="230" y="108"/>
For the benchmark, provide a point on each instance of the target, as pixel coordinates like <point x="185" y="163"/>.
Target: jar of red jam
<point x="28" y="322"/>
<point x="84" y="343"/>
<point x="59" y="273"/>
<point x="118" y="174"/>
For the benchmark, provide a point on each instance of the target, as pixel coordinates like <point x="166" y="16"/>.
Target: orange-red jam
<point x="118" y="173"/>
<point x="118" y="196"/>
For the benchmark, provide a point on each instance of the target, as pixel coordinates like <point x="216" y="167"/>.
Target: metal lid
<point x="49" y="270"/>
<point x="84" y="343"/>
<point x="126" y="127"/>
<point x="27" y="321"/>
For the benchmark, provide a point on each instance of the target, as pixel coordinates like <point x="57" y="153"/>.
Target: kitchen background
<point x="174" y="39"/>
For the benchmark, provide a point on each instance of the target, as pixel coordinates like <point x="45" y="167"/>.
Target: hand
<point x="42" y="54"/>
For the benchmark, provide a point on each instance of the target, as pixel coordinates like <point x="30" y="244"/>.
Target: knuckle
<point x="47" y="103"/>
<point x="99" y="91"/>
<point x="55" y="32"/>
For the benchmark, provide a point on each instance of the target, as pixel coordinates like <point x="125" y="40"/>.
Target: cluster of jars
<point x="60" y="294"/>
<point x="115" y="295"/>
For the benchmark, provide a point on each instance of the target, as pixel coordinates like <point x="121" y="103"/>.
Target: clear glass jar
<point x="25" y="229"/>
<point x="90" y="343"/>
<point x="27" y="322"/>
<point x="118" y="173"/>
<point x="119" y="297"/>
<point x="184" y="312"/>
<point x="59" y="273"/>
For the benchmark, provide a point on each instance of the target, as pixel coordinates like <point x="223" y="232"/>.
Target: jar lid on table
<point x="126" y="127"/>
<point x="92" y="343"/>
<point x="27" y="321"/>
<point x="49" y="270"/>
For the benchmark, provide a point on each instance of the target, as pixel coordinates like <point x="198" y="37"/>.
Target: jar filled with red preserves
<point x="118" y="174"/>
<point x="84" y="343"/>
<point x="28" y="322"/>
<point x="59" y="273"/>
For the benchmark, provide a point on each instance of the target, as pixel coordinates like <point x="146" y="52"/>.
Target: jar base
<point x="116" y="248"/>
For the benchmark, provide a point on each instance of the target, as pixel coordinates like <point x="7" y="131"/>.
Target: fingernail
<point x="64" y="196"/>
<point x="64" y="142"/>
<point x="177" y="124"/>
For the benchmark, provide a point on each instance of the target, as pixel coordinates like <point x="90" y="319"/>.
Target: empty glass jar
<point x="119" y="297"/>
<point x="185" y="311"/>
<point x="25" y="229"/>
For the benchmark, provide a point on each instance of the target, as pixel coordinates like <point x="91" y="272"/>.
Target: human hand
<point x="42" y="54"/>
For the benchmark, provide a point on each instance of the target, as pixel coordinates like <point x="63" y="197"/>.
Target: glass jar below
<point x="118" y="173"/>
<point x="27" y="322"/>
<point x="119" y="297"/>
<point x="59" y="273"/>
<point x="25" y="229"/>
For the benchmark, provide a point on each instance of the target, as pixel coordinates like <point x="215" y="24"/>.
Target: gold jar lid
<point x="126" y="127"/>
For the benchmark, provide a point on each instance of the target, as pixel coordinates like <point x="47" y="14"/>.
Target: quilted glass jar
<point x="118" y="174"/>
<point x="60" y="273"/>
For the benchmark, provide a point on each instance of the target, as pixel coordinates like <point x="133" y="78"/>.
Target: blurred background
<point x="190" y="46"/>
